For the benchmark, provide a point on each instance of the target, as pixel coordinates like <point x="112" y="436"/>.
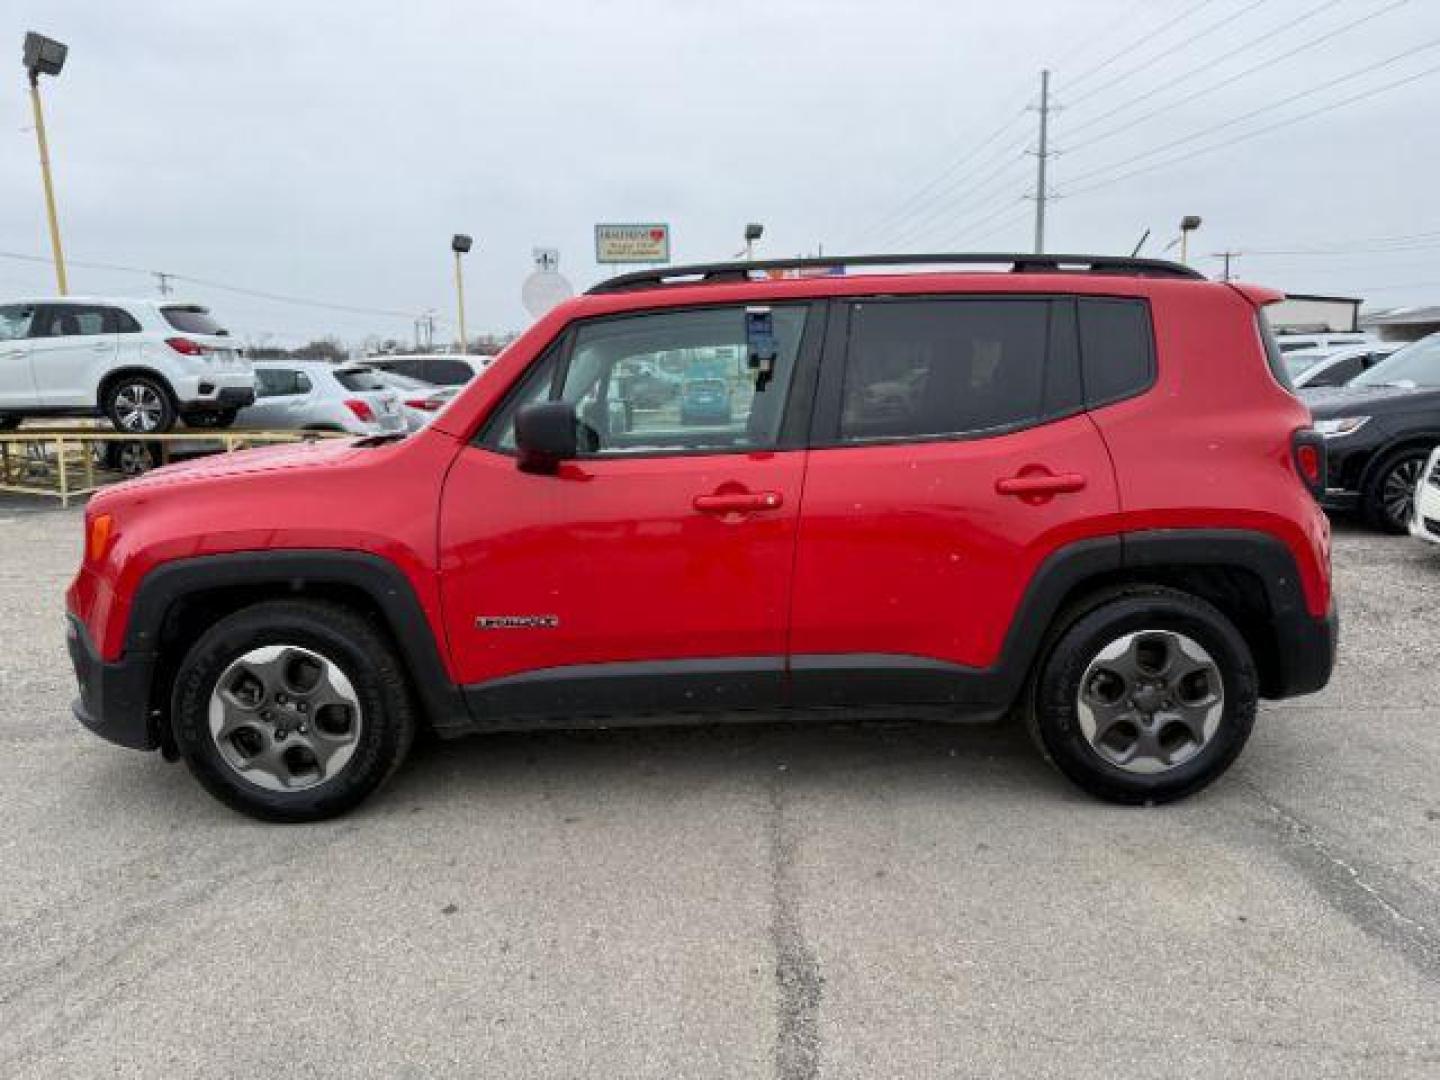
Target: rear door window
<point x="71" y="320"/>
<point x="1117" y="349"/>
<point x="192" y="320"/>
<point x="280" y="382"/>
<point x="947" y="366"/>
<point x="15" y="320"/>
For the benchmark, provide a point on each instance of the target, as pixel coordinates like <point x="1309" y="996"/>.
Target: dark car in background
<point x="1379" y="430"/>
<point x="705" y="401"/>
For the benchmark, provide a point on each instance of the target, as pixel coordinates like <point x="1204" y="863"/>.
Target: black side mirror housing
<point x="547" y="434"/>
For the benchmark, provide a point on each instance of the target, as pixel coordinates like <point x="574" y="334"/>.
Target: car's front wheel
<point x="292" y="710"/>
<point x="1390" y="497"/>
<point x="1147" y="696"/>
<point x="139" y="405"/>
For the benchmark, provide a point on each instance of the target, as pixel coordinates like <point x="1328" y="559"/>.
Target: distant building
<point x="1402" y="324"/>
<point x="1303" y="313"/>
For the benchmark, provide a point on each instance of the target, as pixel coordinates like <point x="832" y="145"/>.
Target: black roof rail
<point x="717" y="273"/>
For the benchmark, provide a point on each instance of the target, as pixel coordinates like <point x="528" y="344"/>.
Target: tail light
<point x="186" y="347"/>
<point x="97" y="539"/>
<point x="425" y="404"/>
<point x="1308" y="448"/>
<point x="361" y="409"/>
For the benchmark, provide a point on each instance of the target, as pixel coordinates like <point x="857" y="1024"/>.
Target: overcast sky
<point x="327" y="150"/>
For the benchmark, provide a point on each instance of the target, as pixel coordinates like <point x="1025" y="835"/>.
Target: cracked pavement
<point x="833" y="901"/>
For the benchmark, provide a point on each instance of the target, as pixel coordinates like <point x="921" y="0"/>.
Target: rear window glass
<point x="446" y="372"/>
<point x="192" y="320"/>
<point x="1116" y="348"/>
<point x="359" y="379"/>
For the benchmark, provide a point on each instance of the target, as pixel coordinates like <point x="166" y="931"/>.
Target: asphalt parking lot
<point x="758" y="902"/>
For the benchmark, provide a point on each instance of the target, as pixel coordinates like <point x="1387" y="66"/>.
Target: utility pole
<point x="45" y="56"/>
<point x="162" y="282"/>
<point x="1227" y="256"/>
<point x="1042" y="158"/>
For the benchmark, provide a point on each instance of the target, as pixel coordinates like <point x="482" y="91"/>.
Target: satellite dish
<point x="543" y="290"/>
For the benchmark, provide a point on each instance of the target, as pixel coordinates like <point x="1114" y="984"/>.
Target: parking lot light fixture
<point x="753" y="232"/>
<point x="45" y="56"/>
<point x="1188" y="224"/>
<point x="460" y="244"/>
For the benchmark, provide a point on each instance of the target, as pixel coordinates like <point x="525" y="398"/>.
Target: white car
<point x="1336" y="366"/>
<point x="1425" y="525"/>
<point x="1289" y="343"/>
<point x="438" y="369"/>
<point x="423" y="401"/>
<point x="143" y="363"/>
<point x="315" y="395"/>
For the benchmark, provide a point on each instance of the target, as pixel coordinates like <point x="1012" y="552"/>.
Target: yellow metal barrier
<point x="62" y="462"/>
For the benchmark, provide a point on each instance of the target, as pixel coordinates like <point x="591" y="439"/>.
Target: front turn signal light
<point x="98" y="541"/>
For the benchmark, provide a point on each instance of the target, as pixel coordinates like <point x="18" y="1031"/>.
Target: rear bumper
<point x="215" y="390"/>
<point x="1339" y="499"/>
<point x="1307" y="646"/>
<point x="114" y="698"/>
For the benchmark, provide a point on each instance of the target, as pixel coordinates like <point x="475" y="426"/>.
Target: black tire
<point x="10" y="423"/>
<point x="1384" y="505"/>
<point x="386" y="721"/>
<point x="129" y="458"/>
<point x="218" y="418"/>
<point x="156" y="417"/>
<point x="1054" y="713"/>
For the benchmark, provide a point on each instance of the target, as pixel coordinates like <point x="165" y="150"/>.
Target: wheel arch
<point x="130" y="371"/>
<point x="177" y="601"/>
<point x="1425" y="440"/>
<point x="1250" y="577"/>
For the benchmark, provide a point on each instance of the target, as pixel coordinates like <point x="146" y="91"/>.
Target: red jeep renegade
<point x="1076" y="488"/>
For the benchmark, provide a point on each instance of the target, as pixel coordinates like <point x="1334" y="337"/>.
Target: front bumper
<point x="114" y="699"/>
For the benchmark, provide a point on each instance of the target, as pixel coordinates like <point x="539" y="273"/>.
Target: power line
<point x="1210" y="65"/>
<point x="919" y="225"/>
<point x="1226" y="21"/>
<point x="1368" y="69"/>
<point x="278" y="298"/>
<point x="1263" y="65"/>
<point x="975" y="156"/>
<point x="1126" y="50"/>
<point x="1104" y="34"/>
<point x="1260" y="131"/>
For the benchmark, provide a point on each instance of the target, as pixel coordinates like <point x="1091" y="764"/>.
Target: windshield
<point x="358" y="379"/>
<point x="192" y="319"/>
<point x="1417" y="363"/>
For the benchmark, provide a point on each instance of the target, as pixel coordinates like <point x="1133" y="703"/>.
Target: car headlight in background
<point x="1334" y="429"/>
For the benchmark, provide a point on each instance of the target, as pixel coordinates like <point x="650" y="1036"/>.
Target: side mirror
<point x="547" y="434"/>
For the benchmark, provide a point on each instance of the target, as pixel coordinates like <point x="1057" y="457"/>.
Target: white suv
<point x="142" y="363"/>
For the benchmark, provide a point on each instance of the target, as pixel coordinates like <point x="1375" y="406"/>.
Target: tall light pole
<point x="460" y="244"/>
<point x="753" y="232"/>
<point x="45" y="56"/>
<point x="1188" y="224"/>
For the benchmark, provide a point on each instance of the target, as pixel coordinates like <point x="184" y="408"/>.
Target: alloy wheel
<point x="138" y="407"/>
<point x="285" y="718"/>
<point x="1150" y="701"/>
<point x="1397" y="492"/>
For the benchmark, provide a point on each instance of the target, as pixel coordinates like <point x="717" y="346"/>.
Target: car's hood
<point x="1331" y="402"/>
<point x="298" y="455"/>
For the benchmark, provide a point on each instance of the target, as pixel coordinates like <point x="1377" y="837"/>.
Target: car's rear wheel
<point x="10" y="423"/>
<point x="292" y="710"/>
<point x="139" y="405"/>
<point x="1390" y="497"/>
<point x="1147" y="696"/>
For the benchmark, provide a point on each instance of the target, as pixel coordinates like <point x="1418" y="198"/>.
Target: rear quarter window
<point x="359" y="380"/>
<point x="1117" y="349"/>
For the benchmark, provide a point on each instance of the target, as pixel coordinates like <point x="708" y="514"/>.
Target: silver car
<point x="423" y="401"/>
<point x="318" y="396"/>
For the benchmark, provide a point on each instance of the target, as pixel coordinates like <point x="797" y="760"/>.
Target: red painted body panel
<point x="910" y="549"/>
<point x="616" y="551"/>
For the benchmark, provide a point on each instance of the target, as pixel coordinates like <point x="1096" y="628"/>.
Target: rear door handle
<point x="738" y="502"/>
<point x="1040" y="483"/>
